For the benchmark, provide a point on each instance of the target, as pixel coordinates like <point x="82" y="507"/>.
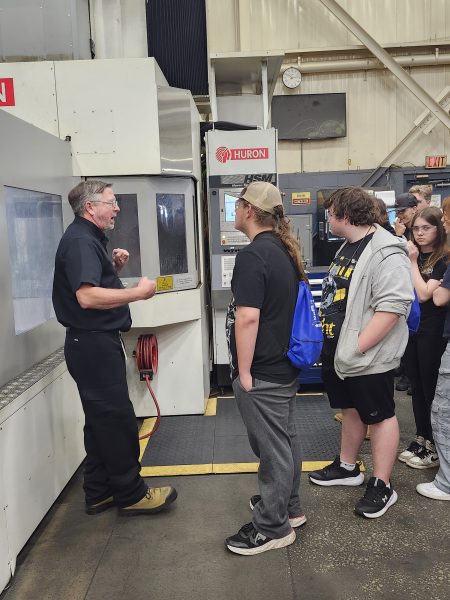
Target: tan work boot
<point x="154" y="501"/>
<point x="99" y="507"/>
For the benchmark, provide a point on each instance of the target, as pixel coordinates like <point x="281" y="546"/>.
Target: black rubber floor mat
<point x="222" y="439"/>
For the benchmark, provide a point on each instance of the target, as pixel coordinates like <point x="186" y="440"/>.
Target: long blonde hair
<point x="282" y="229"/>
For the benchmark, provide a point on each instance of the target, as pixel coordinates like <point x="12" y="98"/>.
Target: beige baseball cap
<point x="263" y="195"/>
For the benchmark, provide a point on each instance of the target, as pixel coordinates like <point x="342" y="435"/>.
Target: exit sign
<point x="436" y="162"/>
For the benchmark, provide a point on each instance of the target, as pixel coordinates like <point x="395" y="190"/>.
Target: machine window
<point x="126" y="234"/>
<point x="35" y="226"/>
<point x="171" y="219"/>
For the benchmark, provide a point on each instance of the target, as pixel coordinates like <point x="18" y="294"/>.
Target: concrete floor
<point x="180" y="554"/>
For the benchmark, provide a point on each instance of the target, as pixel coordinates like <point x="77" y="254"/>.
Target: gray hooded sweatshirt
<point x="381" y="282"/>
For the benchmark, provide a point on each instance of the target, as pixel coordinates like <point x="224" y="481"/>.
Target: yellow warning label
<point x="164" y="283"/>
<point x="301" y="197"/>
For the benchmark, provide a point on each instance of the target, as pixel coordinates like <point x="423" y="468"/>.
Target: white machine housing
<point x="41" y="419"/>
<point x="126" y="125"/>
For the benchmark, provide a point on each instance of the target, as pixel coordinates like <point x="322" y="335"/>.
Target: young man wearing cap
<point x="406" y="207"/>
<point x="259" y="322"/>
<point x="365" y="300"/>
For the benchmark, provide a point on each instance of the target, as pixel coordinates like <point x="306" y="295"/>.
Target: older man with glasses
<point x="91" y="302"/>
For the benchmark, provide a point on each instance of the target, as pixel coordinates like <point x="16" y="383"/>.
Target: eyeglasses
<point x="424" y="228"/>
<point x="112" y="203"/>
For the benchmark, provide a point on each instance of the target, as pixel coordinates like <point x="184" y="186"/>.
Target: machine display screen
<point x="171" y="219"/>
<point x="230" y="208"/>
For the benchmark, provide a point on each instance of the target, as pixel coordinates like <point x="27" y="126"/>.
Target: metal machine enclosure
<point x="41" y="420"/>
<point x="49" y="172"/>
<point x="234" y="159"/>
<point x="127" y="125"/>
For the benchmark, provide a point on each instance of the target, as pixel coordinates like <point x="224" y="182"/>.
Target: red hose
<point x="147" y="364"/>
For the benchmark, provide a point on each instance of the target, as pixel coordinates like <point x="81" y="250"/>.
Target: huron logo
<point x="224" y="154"/>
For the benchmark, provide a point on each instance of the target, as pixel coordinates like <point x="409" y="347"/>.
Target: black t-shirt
<point x="265" y="277"/>
<point x="335" y="288"/>
<point x="82" y="258"/>
<point x="432" y="317"/>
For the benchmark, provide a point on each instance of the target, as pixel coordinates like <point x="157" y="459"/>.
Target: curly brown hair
<point x="354" y="204"/>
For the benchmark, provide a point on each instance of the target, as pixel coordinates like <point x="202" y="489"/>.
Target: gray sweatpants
<point x="440" y="422"/>
<point x="268" y="413"/>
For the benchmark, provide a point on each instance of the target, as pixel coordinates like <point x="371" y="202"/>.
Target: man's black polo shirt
<point x="82" y="258"/>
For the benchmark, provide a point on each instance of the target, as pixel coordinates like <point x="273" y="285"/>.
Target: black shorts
<point x="371" y="395"/>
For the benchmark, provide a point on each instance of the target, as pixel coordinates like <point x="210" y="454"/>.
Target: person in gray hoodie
<point x="366" y="299"/>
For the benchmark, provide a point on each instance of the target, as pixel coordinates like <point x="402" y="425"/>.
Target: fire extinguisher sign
<point x="7" y="92"/>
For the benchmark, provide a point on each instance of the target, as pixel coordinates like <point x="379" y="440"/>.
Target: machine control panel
<point x="233" y="239"/>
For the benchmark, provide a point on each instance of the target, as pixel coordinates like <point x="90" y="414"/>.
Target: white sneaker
<point x="412" y="449"/>
<point x="425" y="458"/>
<point x="431" y="491"/>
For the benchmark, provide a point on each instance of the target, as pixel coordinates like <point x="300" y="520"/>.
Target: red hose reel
<point x="147" y="364"/>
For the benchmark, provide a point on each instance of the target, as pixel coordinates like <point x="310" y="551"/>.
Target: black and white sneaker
<point x="377" y="499"/>
<point x="425" y="458"/>
<point x="334" y="474"/>
<point x="417" y="444"/>
<point x="293" y="521"/>
<point x="248" y="541"/>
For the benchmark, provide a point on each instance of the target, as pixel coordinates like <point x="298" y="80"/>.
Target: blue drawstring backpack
<point x="413" y="320"/>
<point x="305" y="344"/>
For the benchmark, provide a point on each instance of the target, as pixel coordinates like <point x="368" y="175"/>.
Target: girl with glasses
<point x="429" y="254"/>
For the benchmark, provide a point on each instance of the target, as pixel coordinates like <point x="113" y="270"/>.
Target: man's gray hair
<point x="84" y="191"/>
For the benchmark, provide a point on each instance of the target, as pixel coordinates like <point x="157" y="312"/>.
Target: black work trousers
<point x="96" y="362"/>
<point x="422" y="359"/>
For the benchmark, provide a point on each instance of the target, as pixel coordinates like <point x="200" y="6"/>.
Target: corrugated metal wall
<point x="176" y="31"/>
<point x="244" y="25"/>
<point x="380" y="110"/>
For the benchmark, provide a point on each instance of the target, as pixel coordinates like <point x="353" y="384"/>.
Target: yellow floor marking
<point x="146" y="427"/>
<point x="314" y="465"/>
<point x="211" y="407"/>
<point x="172" y="470"/>
<point x="221" y="468"/>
